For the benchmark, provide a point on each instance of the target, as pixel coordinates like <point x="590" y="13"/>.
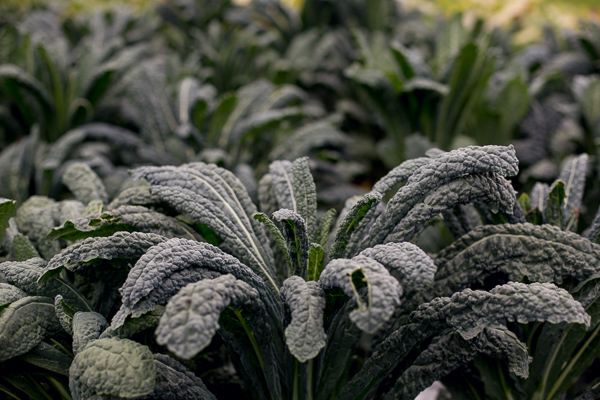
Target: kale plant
<point x="306" y="308"/>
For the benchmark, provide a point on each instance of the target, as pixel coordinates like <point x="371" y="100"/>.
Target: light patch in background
<point x="532" y="15"/>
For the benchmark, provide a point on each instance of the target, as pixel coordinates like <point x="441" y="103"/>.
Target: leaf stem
<point x="250" y="335"/>
<point x="572" y="363"/>
<point x="61" y="347"/>
<point x="505" y="387"/>
<point x="60" y="388"/>
<point x="550" y="363"/>
<point x="474" y="391"/>
<point x="39" y="388"/>
<point x="310" y="378"/>
<point x="295" y="395"/>
<point x="3" y="389"/>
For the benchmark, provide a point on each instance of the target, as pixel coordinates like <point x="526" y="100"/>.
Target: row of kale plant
<point x="182" y="287"/>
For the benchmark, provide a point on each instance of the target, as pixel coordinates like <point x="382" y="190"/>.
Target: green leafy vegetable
<point x="93" y="372"/>
<point x="128" y="218"/>
<point x="84" y="183"/>
<point x="192" y="316"/>
<point x="416" y="269"/>
<point x="83" y="254"/>
<point x="383" y="291"/>
<point x="24" y="324"/>
<point x="295" y="234"/>
<point x="305" y="195"/>
<point x="87" y="327"/>
<point x="304" y="335"/>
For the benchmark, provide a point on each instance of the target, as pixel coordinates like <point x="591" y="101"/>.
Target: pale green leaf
<point x="117" y="367"/>
<point x="24" y="324"/>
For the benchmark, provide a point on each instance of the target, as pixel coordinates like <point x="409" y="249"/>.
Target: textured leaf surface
<point x="383" y="291"/>
<point x="399" y="174"/>
<point x="133" y="326"/>
<point x="282" y="181"/>
<point x="139" y="195"/>
<point x="9" y="294"/>
<point x="305" y="194"/>
<point x="191" y="317"/>
<point x="316" y="255"/>
<point x="266" y="196"/>
<point x="175" y="382"/>
<point x="118" y="367"/>
<point x="573" y="174"/>
<point x="87" y="327"/>
<point x="124" y="218"/>
<point x="325" y="225"/>
<point x="24" y="324"/>
<point x="239" y="240"/>
<point x="84" y="183"/>
<point x="542" y="253"/>
<point x="304" y="336"/>
<point x="493" y="190"/>
<point x="440" y="172"/>
<point x="276" y="233"/>
<point x="295" y="235"/>
<point x="448" y="352"/>
<point x="469" y="311"/>
<point x="23" y="248"/>
<point x="415" y="267"/>
<point x="23" y="274"/>
<point x="35" y="219"/>
<point x="64" y="314"/>
<point x="222" y="189"/>
<point x="81" y="255"/>
<point x="163" y="270"/>
<point x="161" y="294"/>
<point x="553" y="214"/>
<point x="539" y="196"/>
<point x="350" y="222"/>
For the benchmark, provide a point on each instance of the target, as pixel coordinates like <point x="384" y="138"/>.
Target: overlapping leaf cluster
<point x="305" y="307"/>
<point x="159" y="219"/>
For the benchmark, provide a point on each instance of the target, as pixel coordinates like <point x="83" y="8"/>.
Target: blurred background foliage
<point x="358" y="86"/>
<point x="531" y="15"/>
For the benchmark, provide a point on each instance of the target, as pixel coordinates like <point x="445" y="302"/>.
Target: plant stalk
<point x="572" y="363"/>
